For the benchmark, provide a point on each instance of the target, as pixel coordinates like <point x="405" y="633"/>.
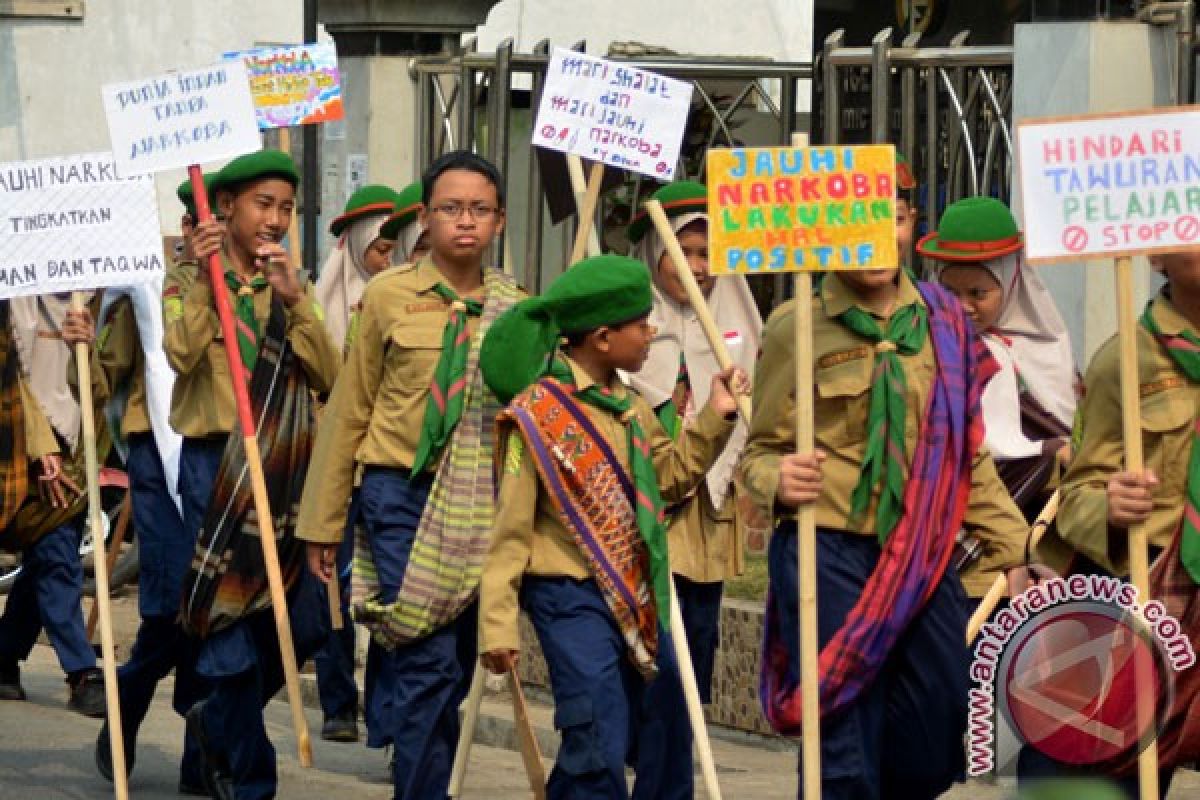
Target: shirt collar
<point x="838" y="298"/>
<point x="583" y="380"/>
<point x="426" y="275"/>
<point x="1170" y="321"/>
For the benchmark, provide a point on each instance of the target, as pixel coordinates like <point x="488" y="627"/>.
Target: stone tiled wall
<point x="735" y="679"/>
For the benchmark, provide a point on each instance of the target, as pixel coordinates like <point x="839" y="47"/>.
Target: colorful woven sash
<point x="444" y="408"/>
<point x="1184" y="350"/>
<point x="596" y="500"/>
<point x="885" y="455"/>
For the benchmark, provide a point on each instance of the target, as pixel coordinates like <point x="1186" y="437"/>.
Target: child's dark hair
<point x="465" y="160"/>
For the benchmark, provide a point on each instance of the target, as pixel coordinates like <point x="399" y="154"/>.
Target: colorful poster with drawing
<point x="294" y="85"/>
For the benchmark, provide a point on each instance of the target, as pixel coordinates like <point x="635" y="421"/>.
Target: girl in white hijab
<point x="707" y="533"/>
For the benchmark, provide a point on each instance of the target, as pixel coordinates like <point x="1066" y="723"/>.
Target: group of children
<point x="448" y="451"/>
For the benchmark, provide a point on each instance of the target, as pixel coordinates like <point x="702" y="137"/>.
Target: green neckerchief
<point x="670" y="412"/>
<point x="447" y="393"/>
<point x="247" y="322"/>
<point x="648" y="504"/>
<point x="1184" y="350"/>
<point x="885" y="455"/>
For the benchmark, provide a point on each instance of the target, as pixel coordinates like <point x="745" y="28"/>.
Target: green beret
<point x="680" y="197"/>
<point x="372" y="199"/>
<point x="1071" y="789"/>
<point x="408" y="206"/>
<point x="604" y="290"/>
<point x="255" y="166"/>
<point x="184" y="193"/>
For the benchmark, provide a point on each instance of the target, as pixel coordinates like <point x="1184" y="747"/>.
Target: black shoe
<point x="104" y="755"/>
<point x="10" y="682"/>
<point x="341" y="727"/>
<point x="87" y="693"/>
<point x="219" y="783"/>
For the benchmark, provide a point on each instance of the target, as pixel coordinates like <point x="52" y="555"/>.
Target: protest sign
<point x="293" y="85"/>
<point x="70" y="223"/>
<point x="181" y="118"/>
<point x="783" y="209"/>
<point x="612" y="113"/>
<point x="1109" y="185"/>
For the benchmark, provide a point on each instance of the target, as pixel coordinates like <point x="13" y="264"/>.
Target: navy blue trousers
<point x="700" y="607"/>
<point x="48" y="595"/>
<point x="607" y="714"/>
<point x="335" y="659"/>
<point x="413" y="691"/>
<point x="165" y="548"/>
<point x="903" y="736"/>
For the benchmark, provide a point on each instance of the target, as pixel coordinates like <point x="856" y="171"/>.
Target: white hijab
<point x="1031" y="338"/>
<point x="406" y="242"/>
<point x="344" y="277"/>
<point x="679" y="331"/>
<point x="37" y="326"/>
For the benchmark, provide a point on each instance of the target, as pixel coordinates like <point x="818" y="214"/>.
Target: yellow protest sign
<point x="787" y="209"/>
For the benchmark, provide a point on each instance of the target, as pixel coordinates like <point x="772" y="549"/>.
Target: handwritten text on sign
<point x="778" y="209"/>
<point x="610" y="112"/>
<point x="70" y="223"/>
<point x="181" y="118"/>
<point x="296" y="85"/>
<point x="1108" y="186"/>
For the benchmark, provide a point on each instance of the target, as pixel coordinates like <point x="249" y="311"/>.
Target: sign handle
<point x="531" y="754"/>
<point x="293" y="234"/>
<point x="466" y="736"/>
<point x="587" y="214"/>
<point x="715" y="340"/>
<point x="806" y="533"/>
<point x="112" y="697"/>
<point x="262" y="506"/>
<point x="1139" y="563"/>
<point x="691" y="695"/>
<point x="996" y="592"/>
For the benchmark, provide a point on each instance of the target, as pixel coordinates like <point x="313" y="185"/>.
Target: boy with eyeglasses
<point x="411" y="414"/>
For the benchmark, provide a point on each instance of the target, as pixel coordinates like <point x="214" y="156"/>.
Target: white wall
<point x="779" y="29"/>
<point x="51" y="70"/>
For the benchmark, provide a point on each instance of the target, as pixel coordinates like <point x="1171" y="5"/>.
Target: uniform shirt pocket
<point x="842" y="397"/>
<point x="1168" y="418"/>
<point x="411" y="357"/>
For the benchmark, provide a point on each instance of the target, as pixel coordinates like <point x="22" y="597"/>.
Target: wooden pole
<point x="112" y="697"/>
<point x="110" y="561"/>
<point x="531" y="754"/>
<point x="587" y="217"/>
<point x="716" y="340"/>
<point x="999" y="586"/>
<point x="1139" y="565"/>
<point x="293" y="235"/>
<point x="691" y="694"/>
<point x="258" y="486"/>
<point x="466" y="736"/>
<point x="806" y="544"/>
<point x="580" y="187"/>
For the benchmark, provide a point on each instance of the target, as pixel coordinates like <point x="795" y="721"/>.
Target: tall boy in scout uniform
<point x="410" y="413"/>
<point x="165" y="550"/>
<point x="897" y="471"/>
<point x="1101" y="500"/>
<point x="286" y="355"/>
<point x="580" y="537"/>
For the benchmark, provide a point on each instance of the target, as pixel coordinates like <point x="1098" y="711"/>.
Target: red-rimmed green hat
<point x="680" y="197"/>
<point x="408" y="206"/>
<point x="973" y="229"/>
<point x="906" y="181"/>
<point x="184" y="193"/>
<point x="374" y="198"/>
<point x="256" y="166"/>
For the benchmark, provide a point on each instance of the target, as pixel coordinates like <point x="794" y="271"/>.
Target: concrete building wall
<point x="51" y="71"/>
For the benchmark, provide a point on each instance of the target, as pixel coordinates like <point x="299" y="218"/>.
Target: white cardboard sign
<point x="610" y="112"/>
<point x="70" y="223"/>
<point x="1110" y="185"/>
<point x="181" y="118"/>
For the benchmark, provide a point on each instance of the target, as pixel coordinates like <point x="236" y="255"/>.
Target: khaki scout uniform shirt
<point x="529" y="537"/>
<point x="39" y="436"/>
<point x="202" y="403"/>
<point x="1169" y="406"/>
<point x="706" y="543"/>
<point x="375" y="413"/>
<point x="118" y="359"/>
<point x="842" y="371"/>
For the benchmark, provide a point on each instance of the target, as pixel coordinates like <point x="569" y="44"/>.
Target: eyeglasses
<point x="452" y="212"/>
